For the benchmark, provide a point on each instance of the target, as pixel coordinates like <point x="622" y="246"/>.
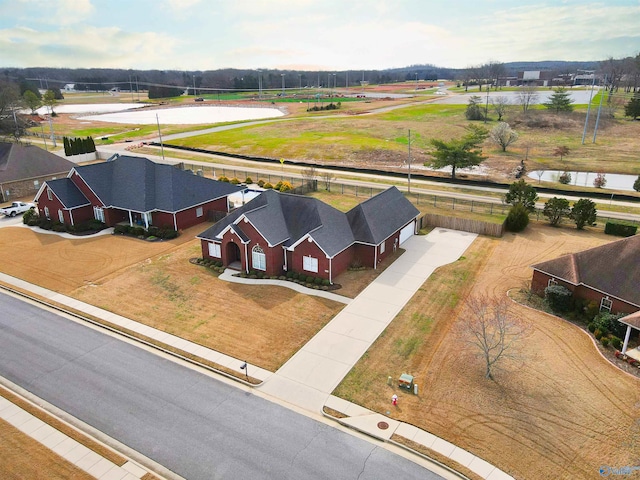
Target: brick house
<point x="608" y="275"/>
<point x="133" y="190"/>
<point x="278" y="232"/>
<point x="24" y="168"/>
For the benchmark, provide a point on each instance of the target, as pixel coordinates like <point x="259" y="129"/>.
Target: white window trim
<point x="60" y="216"/>
<point x="382" y="247"/>
<point x="310" y="264"/>
<point x="258" y="258"/>
<point x="46" y="212"/>
<point x="49" y="194"/>
<point x="98" y="213"/>
<point x="199" y="212"/>
<point x="605" y="304"/>
<point x="552" y="281"/>
<point x="214" y="250"/>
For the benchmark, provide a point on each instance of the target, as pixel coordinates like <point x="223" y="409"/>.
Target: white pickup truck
<point x="16" y="208"/>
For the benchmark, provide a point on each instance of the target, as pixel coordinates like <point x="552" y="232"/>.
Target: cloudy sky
<point x="311" y="34"/>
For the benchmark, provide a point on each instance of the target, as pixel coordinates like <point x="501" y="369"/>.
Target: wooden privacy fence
<point x="463" y="224"/>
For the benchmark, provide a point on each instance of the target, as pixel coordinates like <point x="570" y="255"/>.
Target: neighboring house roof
<point x="379" y="217"/>
<point x="138" y="184"/>
<point x="68" y="193"/>
<point x="286" y="219"/>
<point x="20" y="162"/>
<point x="612" y="268"/>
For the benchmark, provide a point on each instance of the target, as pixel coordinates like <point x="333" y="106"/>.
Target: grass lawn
<point x="24" y="457"/>
<point x="561" y="414"/>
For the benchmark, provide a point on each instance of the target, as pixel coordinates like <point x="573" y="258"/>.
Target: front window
<point x="606" y="304"/>
<point x="214" y="250"/>
<point x="98" y="214"/>
<point x="60" y="216"/>
<point x="258" y="258"/>
<point x="382" y="247"/>
<point x="199" y="212"/>
<point x="49" y="195"/>
<point x="310" y="264"/>
<point x="46" y="212"/>
<point x="552" y="281"/>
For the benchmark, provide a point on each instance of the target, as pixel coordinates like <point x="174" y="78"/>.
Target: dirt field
<point x="562" y="413"/>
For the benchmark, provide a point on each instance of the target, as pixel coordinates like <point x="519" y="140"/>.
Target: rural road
<point x="193" y="424"/>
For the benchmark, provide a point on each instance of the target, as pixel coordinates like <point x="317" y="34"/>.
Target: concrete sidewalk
<point x="68" y="448"/>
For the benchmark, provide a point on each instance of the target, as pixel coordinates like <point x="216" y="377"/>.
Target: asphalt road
<point x="195" y="425"/>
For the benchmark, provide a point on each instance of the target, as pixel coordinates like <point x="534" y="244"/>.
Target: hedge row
<point x="620" y="229"/>
<point x="164" y="233"/>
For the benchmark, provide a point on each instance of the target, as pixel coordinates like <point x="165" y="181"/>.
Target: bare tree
<point x="561" y="151"/>
<point x="527" y="97"/>
<point x="492" y="330"/>
<point x="503" y="135"/>
<point x="328" y="177"/>
<point x="500" y="105"/>
<point x="309" y="175"/>
<point x="496" y="70"/>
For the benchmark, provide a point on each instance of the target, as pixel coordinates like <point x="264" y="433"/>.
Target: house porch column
<point x="626" y="339"/>
<point x="146" y="221"/>
<point x="130" y="219"/>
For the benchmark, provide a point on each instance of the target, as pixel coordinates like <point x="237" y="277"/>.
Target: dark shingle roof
<point x="68" y="193"/>
<point x="284" y="219"/>
<point x="613" y="268"/>
<point x="379" y="217"/>
<point x="19" y="162"/>
<point x="136" y="183"/>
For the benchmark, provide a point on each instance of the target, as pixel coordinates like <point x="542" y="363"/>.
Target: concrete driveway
<point x="309" y="377"/>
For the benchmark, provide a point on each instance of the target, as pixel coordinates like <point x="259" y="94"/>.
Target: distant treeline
<point x="101" y="79"/>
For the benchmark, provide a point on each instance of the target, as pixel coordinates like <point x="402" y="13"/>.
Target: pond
<point x="615" y="181"/>
<point x="187" y="115"/>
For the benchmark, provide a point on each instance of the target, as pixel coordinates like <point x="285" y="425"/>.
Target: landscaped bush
<point x="285" y="187"/>
<point x="604" y="341"/>
<point x="616" y="343"/>
<point x="29" y="216"/>
<point x="517" y="219"/>
<point x="223" y="179"/>
<point x="45" y="224"/>
<point x="558" y="297"/>
<point x="58" y="227"/>
<point x="608" y="323"/>
<point x="309" y="279"/>
<point x="598" y="334"/>
<point x="278" y="185"/>
<point x="620" y="229"/>
<point x="326" y="282"/>
<point x="234" y="181"/>
<point x="121" y="229"/>
<point x="267" y="185"/>
<point x="591" y="327"/>
<point x="317" y="281"/>
<point x="248" y="180"/>
<point x="261" y="183"/>
<point x="138" y="231"/>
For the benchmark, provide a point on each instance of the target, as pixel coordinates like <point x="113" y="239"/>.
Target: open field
<point x="380" y="140"/>
<point x="562" y="413"/>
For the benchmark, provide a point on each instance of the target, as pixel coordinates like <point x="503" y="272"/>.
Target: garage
<point x="407" y="232"/>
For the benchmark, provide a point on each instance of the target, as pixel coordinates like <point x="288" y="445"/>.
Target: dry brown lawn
<point x="562" y="413"/>
<point x="154" y="283"/>
<point x="25" y="458"/>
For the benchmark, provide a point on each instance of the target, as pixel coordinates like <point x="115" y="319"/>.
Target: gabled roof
<point x="67" y="193"/>
<point x="283" y="218"/>
<point x="613" y="268"/>
<point x="379" y="217"/>
<point x="19" y="162"/>
<point x="138" y="184"/>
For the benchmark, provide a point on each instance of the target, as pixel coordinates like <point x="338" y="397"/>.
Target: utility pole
<point x="160" y="135"/>
<point x="282" y="75"/>
<point x="586" y="120"/>
<point x="602" y="93"/>
<point x="131" y="88"/>
<point x="409" y="175"/>
<point x="194" y="85"/>
<point x="486" y="107"/>
<point x="137" y="89"/>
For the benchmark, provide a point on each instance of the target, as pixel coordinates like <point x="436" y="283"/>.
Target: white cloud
<point x="87" y="47"/>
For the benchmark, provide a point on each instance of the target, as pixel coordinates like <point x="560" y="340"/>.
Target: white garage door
<point x="407" y="232"/>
